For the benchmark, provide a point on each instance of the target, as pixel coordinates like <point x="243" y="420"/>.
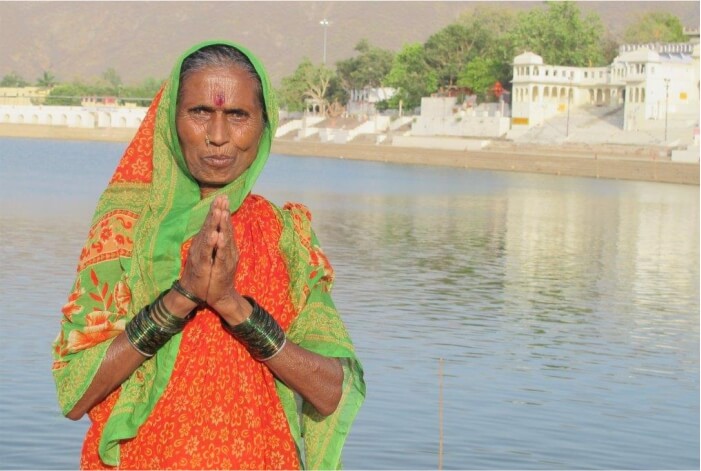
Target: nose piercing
<point x="206" y="139"/>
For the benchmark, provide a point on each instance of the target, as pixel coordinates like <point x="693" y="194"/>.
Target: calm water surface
<point x="565" y="310"/>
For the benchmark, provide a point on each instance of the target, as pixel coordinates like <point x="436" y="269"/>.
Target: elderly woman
<point x="200" y="332"/>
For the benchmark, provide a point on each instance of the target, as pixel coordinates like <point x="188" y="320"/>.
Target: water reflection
<point x="554" y="335"/>
<point x="567" y="312"/>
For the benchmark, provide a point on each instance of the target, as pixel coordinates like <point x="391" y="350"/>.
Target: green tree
<point x="113" y="79"/>
<point x="449" y="50"/>
<point x="492" y="25"/>
<point x="412" y="76"/>
<point x="480" y="75"/>
<point x="481" y="32"/>
<point x="609" y="48"/>
<point x="368" y="69"/>
<point x="336" y="92"/>
<point x="655" y="27"/>
<point x="13" y="79"/>
<point x="70" y="94"/>
<point x="308" y="81"/>
<point x="291" y="93"/>
<point x="47" y="80"/>
<point x="143" y="93"/>
<point x="560" y="35"/>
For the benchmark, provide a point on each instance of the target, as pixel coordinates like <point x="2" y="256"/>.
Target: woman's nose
<point x="218" y="131"/>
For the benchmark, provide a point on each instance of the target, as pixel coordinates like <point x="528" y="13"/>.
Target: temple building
<point x="652" y="83"/>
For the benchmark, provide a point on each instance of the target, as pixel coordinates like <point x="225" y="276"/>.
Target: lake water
<point x="554" y="321"/>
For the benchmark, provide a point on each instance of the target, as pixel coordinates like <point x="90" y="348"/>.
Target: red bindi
<point x="219" y="99"/>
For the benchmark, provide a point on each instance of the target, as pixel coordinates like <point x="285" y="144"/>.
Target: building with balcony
<point x="652" y="83"/>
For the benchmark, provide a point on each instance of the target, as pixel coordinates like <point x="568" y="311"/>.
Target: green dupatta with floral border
<point x="168" y="211"/>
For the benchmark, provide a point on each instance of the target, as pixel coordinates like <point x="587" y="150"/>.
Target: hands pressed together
<point x="211" y="265"/>
<point x="209" y="274"/>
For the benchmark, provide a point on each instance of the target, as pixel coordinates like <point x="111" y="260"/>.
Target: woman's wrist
<point x="180" y="289"/>
<point x="260" y="333"/>
<point x="154" y="326"/>
<point x="233" y="309"/>
<point x="178" y="304"/>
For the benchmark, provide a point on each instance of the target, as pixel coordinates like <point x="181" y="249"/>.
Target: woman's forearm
<point x="121" y="360"/>
<point x="318" y="379"/>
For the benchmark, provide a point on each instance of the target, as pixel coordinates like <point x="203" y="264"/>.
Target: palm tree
<point x="47" y="80"/>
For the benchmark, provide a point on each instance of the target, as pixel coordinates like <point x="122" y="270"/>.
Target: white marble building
<point x="364" y="101"/>
<point x="653" y="83"/>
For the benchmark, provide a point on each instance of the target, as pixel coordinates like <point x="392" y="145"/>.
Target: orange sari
<point x="220" y="409"/>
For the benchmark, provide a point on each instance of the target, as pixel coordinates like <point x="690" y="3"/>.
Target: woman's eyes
<point x="231" y="115"/>
<point x="237" y="115"/>
<point x="199" y="112"/>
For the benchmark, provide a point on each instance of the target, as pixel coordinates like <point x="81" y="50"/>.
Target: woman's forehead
<point x="220" y="85"/>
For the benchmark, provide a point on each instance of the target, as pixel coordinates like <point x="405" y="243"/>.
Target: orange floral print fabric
<point x="136" y="165"/>
<point x="220" y="409"/>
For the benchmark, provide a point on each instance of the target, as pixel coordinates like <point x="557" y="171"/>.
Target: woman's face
<point x="219" y="122"/>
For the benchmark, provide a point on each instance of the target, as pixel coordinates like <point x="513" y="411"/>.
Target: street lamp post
<point x="569" y="104"/>
<point x="666" y="107"/>
<point x="325" y="24"/>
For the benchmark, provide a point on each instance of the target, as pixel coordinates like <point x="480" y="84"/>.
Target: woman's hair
<point x="221" y="55"/>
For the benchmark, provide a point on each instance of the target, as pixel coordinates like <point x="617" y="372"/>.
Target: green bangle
<point x="145" y="335"/>
<point x="166" y="319"/>
<point x="154" y="326"/>
<point x="259" y="333"/>
<point x="179" y="288"/>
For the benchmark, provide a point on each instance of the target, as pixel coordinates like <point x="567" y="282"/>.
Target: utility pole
<point x="666" y="107"/>
<point x="325" y="24"/>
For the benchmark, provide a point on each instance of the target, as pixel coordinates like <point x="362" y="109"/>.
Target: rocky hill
<point x="142" y="39"/>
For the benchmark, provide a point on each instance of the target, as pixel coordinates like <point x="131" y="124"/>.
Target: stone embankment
<point x="642" y="163"/>
<point x="584" y="161"/>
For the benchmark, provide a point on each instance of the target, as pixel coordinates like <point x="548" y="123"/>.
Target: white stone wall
<point x="73" y="116"/>
<point x="441" y="116"/>
<point x="667" y="91"/>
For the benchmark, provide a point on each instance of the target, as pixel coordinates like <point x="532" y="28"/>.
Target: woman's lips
<point x="218" y="161"/>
